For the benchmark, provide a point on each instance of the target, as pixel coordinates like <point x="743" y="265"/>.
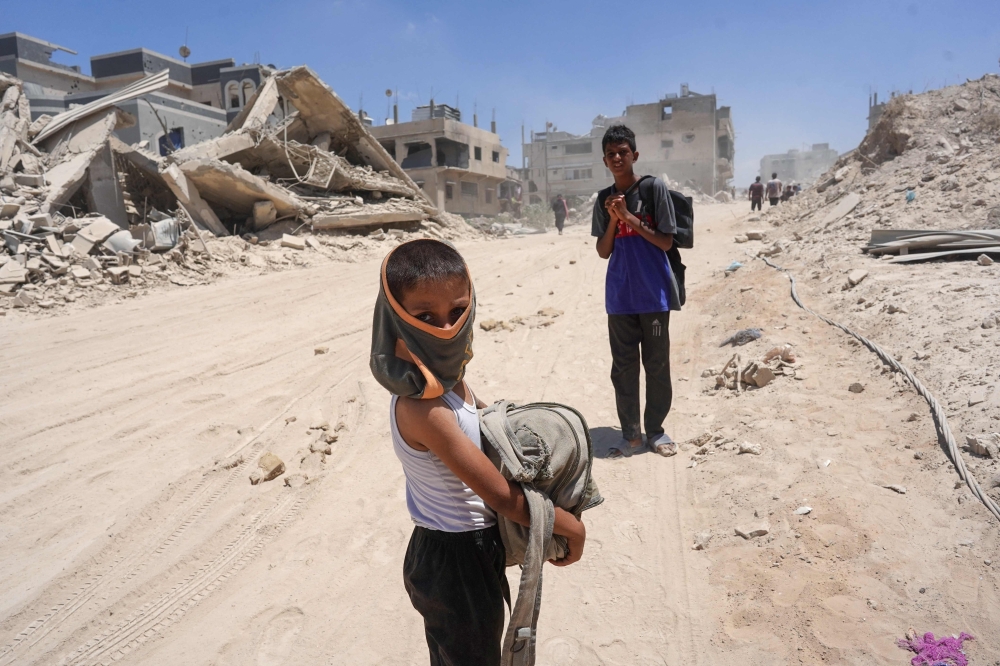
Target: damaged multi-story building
<point x="198" y="103"/>
<point x="460" y="167"/>
<point x="686" y="136"/>
<point x="799" y="166"/>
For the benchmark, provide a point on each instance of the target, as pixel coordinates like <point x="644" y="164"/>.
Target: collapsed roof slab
<point x="190" y="199"/>
<point x="326" y="221"/>
<point x="231" y="186"/>
<point x="322" y="111"/>
<point x="219" y="148"/>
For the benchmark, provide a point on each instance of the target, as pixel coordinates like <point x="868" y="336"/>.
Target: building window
<point x="668" y="112"/>
<point x="479" y="153"/>
<point x="233" y="95"/>
<point x="579" y="174"/>
<point x="532" y="187"/>
<point x="247" y="89"/>
<point x="449" y="190"/>
<point x="470" y="190"/>
<point x="666" y="143"/>
<point x="579" y="148"/>
<point x="489" y="195"/>
<point x="176" y="139"/>
<point x="419" y="183"/>
<point x="496" y="156"/>
<point x="688" y="138"/>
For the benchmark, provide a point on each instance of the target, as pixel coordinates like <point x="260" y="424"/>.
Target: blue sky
<point x="794" y="73"/>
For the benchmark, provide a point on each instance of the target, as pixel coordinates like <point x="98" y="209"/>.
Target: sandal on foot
<point x="663" y="445"/>
<point x="625" y="449"/>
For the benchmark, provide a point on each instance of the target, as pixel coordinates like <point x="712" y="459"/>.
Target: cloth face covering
<point x="414" y="359"/>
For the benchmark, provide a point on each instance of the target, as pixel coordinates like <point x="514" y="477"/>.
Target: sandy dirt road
<point x="124" y="540"/>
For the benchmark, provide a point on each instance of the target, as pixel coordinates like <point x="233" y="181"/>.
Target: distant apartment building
<point x="686" y="136"/>
<point x="799" y="166"/>
<point x="197" y="104"/>
<point x="460" y="167"/>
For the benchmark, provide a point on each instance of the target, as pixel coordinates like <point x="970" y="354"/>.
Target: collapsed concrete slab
<point x="190" y="199"/>
<point x="231" y="186"/>
<point x="321" y="110"/>
<point x="394" y="211"/>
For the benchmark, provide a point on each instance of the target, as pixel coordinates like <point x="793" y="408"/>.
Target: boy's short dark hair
<point x="423" y="260"/>
<point x="618" y="134"/>
<point x="758" y="179"/>
<point x="774" y="175"/>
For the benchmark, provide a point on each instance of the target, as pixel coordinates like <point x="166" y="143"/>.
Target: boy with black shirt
<point x="636" y="232"/>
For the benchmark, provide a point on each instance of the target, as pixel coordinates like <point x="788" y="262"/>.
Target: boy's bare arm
<point x="432" y="424"/>
<point x="606" y="243"/>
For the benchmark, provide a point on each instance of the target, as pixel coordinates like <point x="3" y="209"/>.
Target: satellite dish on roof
<point x="184" y="51"/>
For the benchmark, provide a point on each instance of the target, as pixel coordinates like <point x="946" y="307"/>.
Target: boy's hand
<point x="573" y="529"/>
<point x="614" y="204"/>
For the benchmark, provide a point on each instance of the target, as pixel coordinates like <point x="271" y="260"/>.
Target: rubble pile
<point x="79" y="209"/>
<point x="930" y="164"/>
<point x="737" y="376"/>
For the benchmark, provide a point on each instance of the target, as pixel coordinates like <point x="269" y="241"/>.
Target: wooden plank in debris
<point x="362" y="219"/>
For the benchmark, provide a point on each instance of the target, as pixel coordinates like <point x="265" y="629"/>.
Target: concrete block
<point x="264" y="214"/>
<point x="293" y="242"/>
<point x="119" y="274"/>
<point x="29" y="179"/>
<point x="269" y="467"/>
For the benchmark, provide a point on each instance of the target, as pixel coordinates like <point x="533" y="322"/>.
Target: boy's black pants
<point x="646" y="336"/>
<point x="458" y="583"/>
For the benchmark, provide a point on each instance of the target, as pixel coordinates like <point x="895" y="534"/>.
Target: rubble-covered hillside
<point x="931" y="163"/>
<point x="82" y="214"/>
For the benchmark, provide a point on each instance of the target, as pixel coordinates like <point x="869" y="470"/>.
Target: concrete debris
<point x="896" y="488"/>
<point x="293" y="242"/>
<point x="269" y="467"/>
<point x="751" y="448"/>
<point x="752" y="531"/>
<point x="701" y="540"/>
<point x="543" y="318"/>
<point x="803" y="511"/>
<point x="296" y="480"/>
<point x="295" y="157"/>
<point x="854" y="278"/>
<point x="856" y="387"/>
<point x="984" y="445"/>
<point x="984" y="260"/>
<point x="737" y="375"/>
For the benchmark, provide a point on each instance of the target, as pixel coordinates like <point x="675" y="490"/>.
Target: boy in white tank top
<point x="454" y="565"/>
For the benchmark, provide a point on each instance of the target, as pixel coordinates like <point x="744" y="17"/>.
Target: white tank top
<point x="435" y="497"/>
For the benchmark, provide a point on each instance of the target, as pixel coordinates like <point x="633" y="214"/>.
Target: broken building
<point x="199" y="100"/>
<point x="460" y="167"/>
<point x="79" y="206"/>
<point x="686" y="136"/>
<point x="799" y="166"/>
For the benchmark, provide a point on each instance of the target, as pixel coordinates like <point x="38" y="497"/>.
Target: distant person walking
<point x="561" y="210"/>
<point x="774" y="190"/>
<point x="756" y="194"/>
